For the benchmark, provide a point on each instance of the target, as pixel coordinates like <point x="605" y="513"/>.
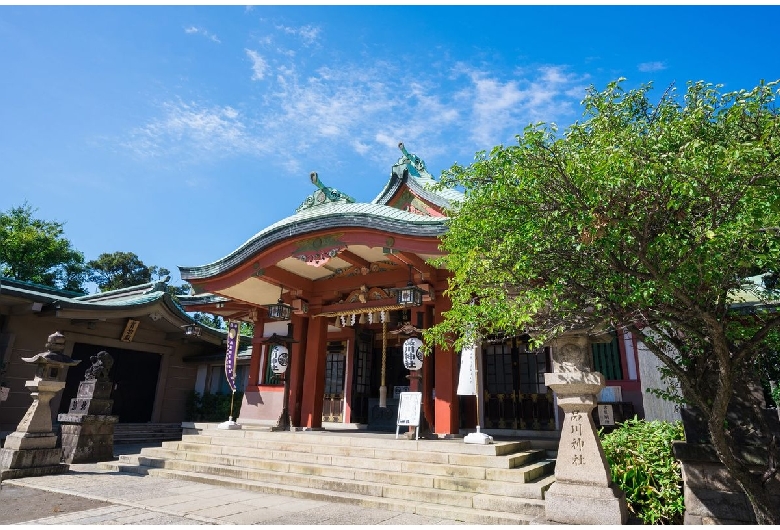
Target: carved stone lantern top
<point x="52" y="357"/>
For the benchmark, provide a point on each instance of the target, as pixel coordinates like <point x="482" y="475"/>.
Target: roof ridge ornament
<point x="415" y="161"/>
<point x="323" y="195"/>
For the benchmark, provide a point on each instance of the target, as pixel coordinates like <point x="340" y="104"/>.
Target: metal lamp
<point x="279" y="310"/>
<point x="410" y="295"/>
<point x="192" y="330"/>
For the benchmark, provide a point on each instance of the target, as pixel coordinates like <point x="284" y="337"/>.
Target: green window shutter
<point x="606" y="359"/>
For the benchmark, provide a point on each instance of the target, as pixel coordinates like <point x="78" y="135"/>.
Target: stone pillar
<point x="583" y="492"/>
<point x="88" y="426"/>
<point x="32" y="449"/>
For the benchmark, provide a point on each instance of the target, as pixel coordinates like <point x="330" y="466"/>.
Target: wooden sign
<point x="409" y="411"/>
<point x="130" y="329"/>
<point x="606" y="415"/>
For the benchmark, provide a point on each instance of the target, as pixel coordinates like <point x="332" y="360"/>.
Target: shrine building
<point x="352" y="281"/>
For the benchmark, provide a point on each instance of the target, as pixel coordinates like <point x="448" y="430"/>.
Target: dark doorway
<point x="515" y="395"/>
<point x="361" y="377"/>
<point x="134" y="374"/>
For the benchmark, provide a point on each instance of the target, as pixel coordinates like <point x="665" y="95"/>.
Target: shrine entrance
<point x="515" y="394"/>
<point x="335" y="364"/>
<point x="134" y="374"/>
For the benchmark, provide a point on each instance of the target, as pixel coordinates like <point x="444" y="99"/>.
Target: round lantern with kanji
<point x="413" y="355"/>
<point x="280" y="358"/>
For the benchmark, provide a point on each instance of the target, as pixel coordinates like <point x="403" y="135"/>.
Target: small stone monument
<point x="583" y="492"/>
<point x="88" y="426"/>
<point x="32" y="449"/>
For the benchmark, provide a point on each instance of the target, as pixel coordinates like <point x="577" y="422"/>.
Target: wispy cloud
<point x="192" y="129"/>
<point x="655" y="66"/>
<point x="497" y="106"/>
<point x="307" y="34"/>
<point x="316" y="108"/>
<point x="193" y="30"/>
<point x="259" y="65"/>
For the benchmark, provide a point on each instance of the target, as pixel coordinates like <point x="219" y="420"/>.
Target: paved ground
<point x="88" y="495"/>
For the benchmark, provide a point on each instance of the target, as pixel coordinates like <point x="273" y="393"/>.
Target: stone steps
<point x="490" y="516"/>
<point x="133" y="433"/>
<point x="501" y="483"/>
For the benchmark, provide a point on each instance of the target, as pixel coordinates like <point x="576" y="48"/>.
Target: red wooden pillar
<point x="428" y="371"/>
<point x="446" y="402"/>
<point x="297" y="361"/>
<point x="257" y="351"/>
<point x="314" y="373"/>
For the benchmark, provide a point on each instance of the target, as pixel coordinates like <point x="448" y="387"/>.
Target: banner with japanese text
<point x="230" y="355"/>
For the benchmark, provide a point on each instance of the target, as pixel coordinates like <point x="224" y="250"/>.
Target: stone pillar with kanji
<point x="583" y="492"/>
<point x="32" y="450"/>
<point x="88" y="426"/>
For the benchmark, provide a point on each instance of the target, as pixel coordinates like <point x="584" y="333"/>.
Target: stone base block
<point x="571" y="503"/>
<point x="33" y="471"/>
<point x="30" y="440"/>
<point x="87" y="439"/>
<point x="29" y="458"/>
<point x="87" y="449"/>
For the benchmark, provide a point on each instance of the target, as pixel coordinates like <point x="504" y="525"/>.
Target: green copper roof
<point x="411" y="170"/>
<point x="129" y="299"/>
<point x="329" y="215"/>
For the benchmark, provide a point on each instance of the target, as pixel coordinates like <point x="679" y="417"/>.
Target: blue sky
<point x="178" y="133"/>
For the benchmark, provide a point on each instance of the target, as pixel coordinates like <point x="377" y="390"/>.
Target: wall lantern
<point x="192" y="330"/>
<point x="409" y="295"/>
<point x="279" y="310"/>
<point x="412" y="353"/>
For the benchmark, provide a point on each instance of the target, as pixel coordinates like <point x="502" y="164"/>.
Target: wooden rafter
<point x="354" y="259"/>
<point x="405" y="258"/>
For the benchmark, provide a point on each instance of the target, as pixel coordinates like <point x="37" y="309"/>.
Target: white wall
<point x="656" y="408"/>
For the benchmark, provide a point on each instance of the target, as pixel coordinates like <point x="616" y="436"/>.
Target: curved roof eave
<point x="332" y="215"/>
<point x="447" y="198"/>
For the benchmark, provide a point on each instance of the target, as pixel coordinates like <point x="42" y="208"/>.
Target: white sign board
<point x="409" y="411"/>
<point x="606" y="416"/>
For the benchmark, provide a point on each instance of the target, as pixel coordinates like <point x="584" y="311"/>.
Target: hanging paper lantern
<point x="280" y="358"/>
<point x="413" y="355"/>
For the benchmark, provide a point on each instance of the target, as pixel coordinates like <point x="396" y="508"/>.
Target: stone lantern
<point x="32" y="449"/>
<point x="583" y="492"/>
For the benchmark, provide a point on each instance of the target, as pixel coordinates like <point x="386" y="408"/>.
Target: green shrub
<point x="211" y="407"/>
<point x="642" y="464"/>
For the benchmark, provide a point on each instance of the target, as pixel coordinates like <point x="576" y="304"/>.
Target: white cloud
<point x="192" y="130"/>
<point x="308" y="34"/>
<point x="655" y="66"/>
<point x="193" y="30"/>
<point x="503" y="108"/>
<point x="259" y="65"/>
<point x="311" y="106"/>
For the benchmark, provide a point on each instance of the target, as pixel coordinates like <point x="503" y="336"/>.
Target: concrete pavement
<point x="147" y="500"/>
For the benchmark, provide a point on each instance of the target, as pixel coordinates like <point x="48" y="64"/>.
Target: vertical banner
<point x="230" y="355"/>
<point x="467" y="384"/>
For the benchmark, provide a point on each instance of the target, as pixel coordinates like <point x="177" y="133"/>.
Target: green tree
<point x="648" y="215"/>
<point x="217" y="322"/>
<point x="118" y="270"/>
<point x="36" y="250"/>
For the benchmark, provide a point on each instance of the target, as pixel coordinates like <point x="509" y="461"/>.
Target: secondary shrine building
<point x="356" y="281"/>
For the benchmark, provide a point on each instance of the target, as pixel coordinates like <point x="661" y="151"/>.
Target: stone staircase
<point x="501" y="483"/>
<point x="137" y="433"/>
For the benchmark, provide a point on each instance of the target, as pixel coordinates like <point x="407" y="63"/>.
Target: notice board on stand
<point x="409" y="411"/>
